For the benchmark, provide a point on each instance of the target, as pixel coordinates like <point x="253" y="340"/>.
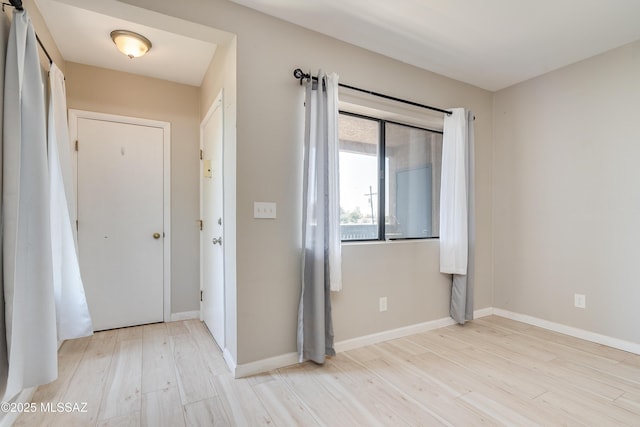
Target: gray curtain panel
<point x="461" y="308"/>
<point x="315" y="328"/>
<point x="5" y="24"/>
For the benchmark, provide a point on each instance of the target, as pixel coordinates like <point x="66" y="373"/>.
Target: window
<point x="404" y="189"/>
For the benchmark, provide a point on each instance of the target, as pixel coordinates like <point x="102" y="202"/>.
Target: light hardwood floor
<point x="492" y="371"/>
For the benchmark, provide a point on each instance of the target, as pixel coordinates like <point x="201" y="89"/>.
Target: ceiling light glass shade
<point x="131" y="44"/>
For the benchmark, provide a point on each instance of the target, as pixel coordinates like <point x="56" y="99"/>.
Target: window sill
<point x="383" y="242"/>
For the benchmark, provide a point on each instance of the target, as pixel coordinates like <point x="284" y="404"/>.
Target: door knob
<point x="217" y="241"/>
<point x="156" y="235"/>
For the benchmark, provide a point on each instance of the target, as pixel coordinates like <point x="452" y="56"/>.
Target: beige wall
<point x="106" y="91"/>
<point x="40" y="27"/>
<point x="566" y="195"/>
<point x="269" y="159"/>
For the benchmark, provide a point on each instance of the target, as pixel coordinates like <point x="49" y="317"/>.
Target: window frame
<point x="382" y="174"/>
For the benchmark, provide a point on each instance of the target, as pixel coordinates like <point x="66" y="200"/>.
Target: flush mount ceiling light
<point x="131" y="44"/>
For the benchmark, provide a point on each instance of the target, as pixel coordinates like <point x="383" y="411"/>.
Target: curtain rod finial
<point x="17" y="4"/>
<point x="300" y="75"/>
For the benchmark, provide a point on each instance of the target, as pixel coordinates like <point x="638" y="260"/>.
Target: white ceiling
<point x="181" y="52"/>
<point x="491" y="44"/>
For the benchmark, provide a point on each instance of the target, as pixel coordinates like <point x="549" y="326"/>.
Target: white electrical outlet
<point x="580" y="301"/>
<point x="264" y="210"/>
<point x="383" y="303"/>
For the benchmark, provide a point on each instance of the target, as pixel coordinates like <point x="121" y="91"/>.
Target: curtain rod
<point x="300" y="75"/>
<point x="44" y="49"/>
<point x="17" y="4"/>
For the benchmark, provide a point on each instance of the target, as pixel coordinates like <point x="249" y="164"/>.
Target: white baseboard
<point x="185" y="315"/>
<point x="264" y="365"/>
<point x="260" y="366"/>
<point x="405" y="331"/>
<point x="230" y="361"/>
<point x="483" y="312"/>
<point x="8" y="418"/>
<point x="392" y="334"/>
<point x="629" y="346"/>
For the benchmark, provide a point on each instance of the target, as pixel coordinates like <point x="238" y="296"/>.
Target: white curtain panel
<point x="453" y="195"/>
<point x="28" y="276"/>
<point x="457" y="211"/>
<point x="72" y="312"/>
<point x="321" y="258"/>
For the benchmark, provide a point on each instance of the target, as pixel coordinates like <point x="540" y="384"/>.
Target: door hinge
<point x="201" y="224"/>
<point x="201" y="154"/>
<point x="201" y="296"/>
<point x="76" y="225"/>
<point x="76" y="146"/>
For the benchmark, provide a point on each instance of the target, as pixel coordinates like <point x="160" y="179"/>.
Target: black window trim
<point x="381" y="175"/>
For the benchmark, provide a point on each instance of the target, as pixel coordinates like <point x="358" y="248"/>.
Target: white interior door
<point x="120" y="221"/>
<point x="212" y="237"/>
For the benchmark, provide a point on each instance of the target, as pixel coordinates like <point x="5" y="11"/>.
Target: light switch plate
<point x="264" y="210"/>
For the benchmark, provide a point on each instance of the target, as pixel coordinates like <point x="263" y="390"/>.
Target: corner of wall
<point x="40" y="27"/>
<point x="493" y="216"/>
